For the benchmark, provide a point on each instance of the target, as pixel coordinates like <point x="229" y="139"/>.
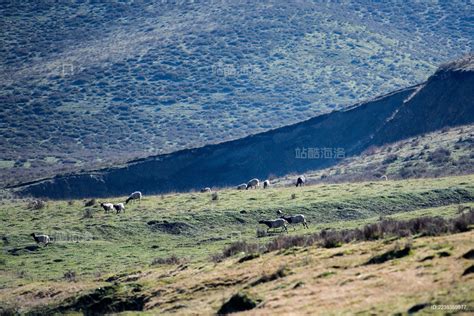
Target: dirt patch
<point x="175" y="228"/>
<point x="109" y="299"/>
<point x="280" y="273"/>
<point x="249" y="257"/>
<point x="238" y="303"/>
<point x="469" y="255"/>
<point x="416" y="308"/>
<point x="469" y="270"/>
<point x="390" y="255"/>
<point x="430" y="257"/>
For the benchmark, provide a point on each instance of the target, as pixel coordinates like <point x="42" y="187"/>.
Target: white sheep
<point x="266" y="184"/>
<point x="275" y="223"/>
<point x="242" y="186"/>
<point x="300" y="181"/>
<point x="384" y="177"/>
<point x="207" y="189"/>
<point x="44" y="239"/>
<point x="107" y="207"/>
<point x="296" y="219"/>
<point x="137" y="195"/>
<point x="254" y="183"/>
<point x="119" y="207"/>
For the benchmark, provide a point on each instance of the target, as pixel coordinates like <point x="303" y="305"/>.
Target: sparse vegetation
<point x="431" y="155"/>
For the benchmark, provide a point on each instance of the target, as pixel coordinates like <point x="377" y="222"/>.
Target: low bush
<point x="90" y="203"/>
<point x="70" y="276"/>
<point x="37" y="205"/>
<point x="171" y="260"/>
<point x="385" y="228"/>
<point x="440" y="155"/>
<point x="389" y="159"/>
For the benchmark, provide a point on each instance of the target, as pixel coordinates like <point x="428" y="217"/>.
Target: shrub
<point x="440" y="155"/>
<point x="37" y="205"/>
<point x="70" y="276"/>
<point x="90" y="203"/>
<point x="88" y="213"/>
<point x="389" y="159"/>
<point x="172" y="260"/>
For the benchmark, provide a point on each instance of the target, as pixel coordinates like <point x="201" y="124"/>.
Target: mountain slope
<point x="88" y="84"/>
<point x="445" y="152"/>
<point x="275" y="152"/>
<point x="445" y="98"/>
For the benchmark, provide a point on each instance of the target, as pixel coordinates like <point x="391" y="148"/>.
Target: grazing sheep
<point x="266" y="184"/>
<point x="275" y="223"/>
<point x="107" y="207"/>
<point x="242" y="186"/>
<point x="204" y="190"/>
<point x="119" y="207"/>
<point x="137" y="195"/>
<point x="44" y="239"/>
<point x="279" y="212"/>
<point x="254" y="183"/>
<point x="296" y="219"/>
<point x="300" y="181"/>
<point x="384" y="177"/>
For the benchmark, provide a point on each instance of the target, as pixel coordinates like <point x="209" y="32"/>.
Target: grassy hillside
<point x="89" y="84"/>
<point x="127" y="254"/>
<point x="441" y="153"/>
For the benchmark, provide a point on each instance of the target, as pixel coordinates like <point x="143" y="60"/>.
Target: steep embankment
<point x="444" y="100"/>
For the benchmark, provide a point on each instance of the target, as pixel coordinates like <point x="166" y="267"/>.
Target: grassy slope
<point x="143" y="78"/>
<point x="108" y="244"/>
<point x="412" y="157"/>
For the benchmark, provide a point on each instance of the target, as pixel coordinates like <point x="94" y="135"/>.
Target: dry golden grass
<point x="321" y="283"/>
<point x="317" y="281"/>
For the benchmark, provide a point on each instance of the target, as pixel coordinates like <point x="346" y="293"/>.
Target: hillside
<point x="449" y="151"/>
<point x="442" y="101"/>
<point x="169" y="254"/>
<point x="91" y="84"/>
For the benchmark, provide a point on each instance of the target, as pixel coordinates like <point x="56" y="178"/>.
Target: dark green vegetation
<point x="443" y="101"/>
<point x="88" y="84"/>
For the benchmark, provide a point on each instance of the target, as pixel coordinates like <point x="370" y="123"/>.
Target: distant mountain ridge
<point x="445" y="99"/>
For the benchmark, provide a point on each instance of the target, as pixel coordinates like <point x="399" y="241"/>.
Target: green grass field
<point x="192" y="226"/>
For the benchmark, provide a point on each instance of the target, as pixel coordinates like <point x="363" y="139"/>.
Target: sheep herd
<point x="281" y="222"/>
<point x="120" y="207"/>
<point x="284" y="220"/>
